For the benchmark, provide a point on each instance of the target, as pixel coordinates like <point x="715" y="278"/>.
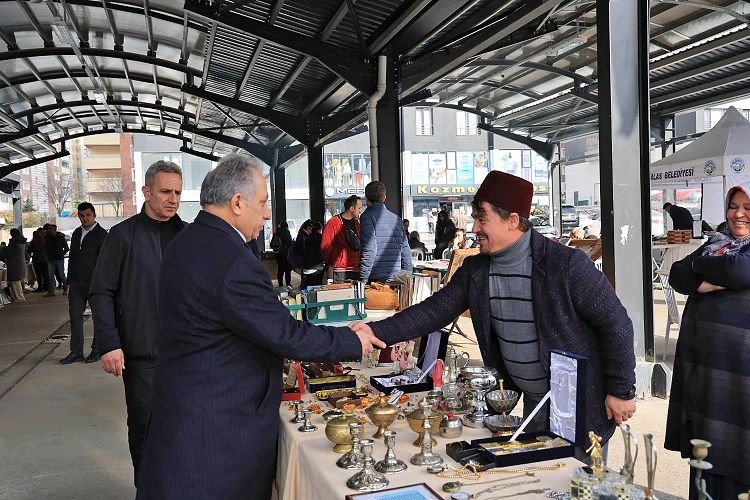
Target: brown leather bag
<point x="380" y="297"/>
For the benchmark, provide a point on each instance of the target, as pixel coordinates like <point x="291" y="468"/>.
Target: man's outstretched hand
<point x="368" y="339"/>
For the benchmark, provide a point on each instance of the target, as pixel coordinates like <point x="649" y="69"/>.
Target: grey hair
<point x="161" y="166"/>
<point x="233" y="174"/>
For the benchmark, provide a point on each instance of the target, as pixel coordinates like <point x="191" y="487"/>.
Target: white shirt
<point x="85" y="231"/>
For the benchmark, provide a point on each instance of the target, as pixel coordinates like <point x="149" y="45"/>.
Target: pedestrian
<point x="124" y="295"/>
<point x="16" y="262"/>
<point x="529" y="295"/>
<point x="39" y="260"/>
<point x="280" y="243"/>
<point x="215" y="414"/>
<point x="445" y="232"/>
<point x="681" y="217"/>
<point x="85" y="246"/>
<point x="385" y="248"/>
<point x="313" y="265"/>
<point x="340" y="245"/>
<point x="56" y="248"/>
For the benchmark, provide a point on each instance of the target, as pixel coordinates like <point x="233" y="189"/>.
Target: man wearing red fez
<point x="529" y="295"/>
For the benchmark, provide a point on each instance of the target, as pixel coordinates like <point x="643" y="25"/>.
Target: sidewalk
<point x="63" y="431"/>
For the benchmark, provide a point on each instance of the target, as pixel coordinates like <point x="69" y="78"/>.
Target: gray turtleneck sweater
<point x="512" y="315"/>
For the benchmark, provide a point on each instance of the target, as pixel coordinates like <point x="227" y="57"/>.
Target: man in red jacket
<point x="335" y="247"/>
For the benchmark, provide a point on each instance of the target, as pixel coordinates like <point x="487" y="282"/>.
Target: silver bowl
<point x="502" y="401"/>
<point x="502" y="426"/>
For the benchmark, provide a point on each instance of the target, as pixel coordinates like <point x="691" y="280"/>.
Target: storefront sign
<point x="447" y="190"/>
<point x="344" y="192"/>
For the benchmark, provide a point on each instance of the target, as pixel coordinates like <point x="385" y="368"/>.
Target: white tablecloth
<point x="672" y="253"/>
<point x="306" y="465"/>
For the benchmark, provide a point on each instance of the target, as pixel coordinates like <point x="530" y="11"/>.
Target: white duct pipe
<point x="372" y="105"/>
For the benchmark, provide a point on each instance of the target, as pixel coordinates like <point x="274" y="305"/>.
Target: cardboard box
<point x="567" y="417"/>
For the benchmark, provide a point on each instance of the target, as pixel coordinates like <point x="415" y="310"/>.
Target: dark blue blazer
<point x="217" y="385"/>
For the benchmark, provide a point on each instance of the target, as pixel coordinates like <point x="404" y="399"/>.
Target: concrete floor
<point x="63" y="432"/>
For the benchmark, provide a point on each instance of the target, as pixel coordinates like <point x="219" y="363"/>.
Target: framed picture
<point x="412" y="492"/>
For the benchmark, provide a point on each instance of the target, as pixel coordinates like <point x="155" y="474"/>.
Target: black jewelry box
<point x="567" y="416"/>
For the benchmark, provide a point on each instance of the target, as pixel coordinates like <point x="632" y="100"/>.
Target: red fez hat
<point x="506" y="191"/>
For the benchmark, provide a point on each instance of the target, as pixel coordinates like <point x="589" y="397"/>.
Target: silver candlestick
<point x="651" y="460"/>
<point x="426" y="457"/>
<point x="700" y="451"/>
<point x="480" y="380"/>
<point x="307" y="426"/>
<point x="298" y="416"/>
<point x="353" y="459"/>
<point x="368" y="479"/>
<point x="628" y="468"/>
<point x="390" y="464"/>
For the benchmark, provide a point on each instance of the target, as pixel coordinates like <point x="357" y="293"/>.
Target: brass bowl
<point x="337" y="432"/>
<point x="501" y="425"/>
<point x="382" y="414"/>
<point x="502" y="401"/>
<point x="415" y="420"/>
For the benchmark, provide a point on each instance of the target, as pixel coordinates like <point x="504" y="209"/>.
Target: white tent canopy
<point x="718" y="160"/>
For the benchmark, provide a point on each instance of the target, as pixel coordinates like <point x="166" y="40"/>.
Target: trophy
<point x="648" y="440"/>
<point x="628" y="468"/>
<point x="480" y="380"/>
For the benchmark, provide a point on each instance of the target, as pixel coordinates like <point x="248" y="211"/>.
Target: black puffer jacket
<point x="125" y="288"/>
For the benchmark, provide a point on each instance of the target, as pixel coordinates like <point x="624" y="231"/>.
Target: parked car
<point x="570" y="218"/>
<point x="543" y="227"/>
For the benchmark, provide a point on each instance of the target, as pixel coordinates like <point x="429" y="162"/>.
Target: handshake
<point x="368" y="339"/>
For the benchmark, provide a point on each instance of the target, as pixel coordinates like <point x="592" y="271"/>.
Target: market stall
<point x="715" y="161"/>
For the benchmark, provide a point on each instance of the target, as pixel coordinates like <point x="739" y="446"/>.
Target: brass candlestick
<point x="700" y="451"/>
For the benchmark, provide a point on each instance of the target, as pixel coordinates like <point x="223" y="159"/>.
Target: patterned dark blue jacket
<point x="575" y="310"/>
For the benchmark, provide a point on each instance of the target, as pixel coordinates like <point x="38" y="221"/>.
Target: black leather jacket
<point x="125" y="288"/>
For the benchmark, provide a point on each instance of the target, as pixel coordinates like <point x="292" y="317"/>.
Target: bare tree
<point x="112" y="190"/>
<point x="59" y="191"/>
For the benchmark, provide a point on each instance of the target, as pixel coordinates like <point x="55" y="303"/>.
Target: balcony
<point x="104" y="185"/>
<point x="468" y="131"/>
<point x="425" y="130"/>
<point x="102" y="140"/>
<point x="103" y="162"/>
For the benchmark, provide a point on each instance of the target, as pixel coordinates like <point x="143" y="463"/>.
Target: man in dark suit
<point x="124" y="293"/>
<point x="681" y="216"/>
<point x="85" y="246"/>
<point x="223" y="337"/>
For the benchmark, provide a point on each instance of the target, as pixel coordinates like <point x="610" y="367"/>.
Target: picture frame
<point x="411" y="492"/>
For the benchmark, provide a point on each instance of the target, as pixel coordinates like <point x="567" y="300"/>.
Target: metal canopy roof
<point x="271" y="76"/>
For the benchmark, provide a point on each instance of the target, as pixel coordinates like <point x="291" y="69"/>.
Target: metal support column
<point x="555" y="203"/>
<point x="622" y="59"/>
<point x="315" y="180"/>
<point x="389" y="145"/>
<point x="17" y="208"/>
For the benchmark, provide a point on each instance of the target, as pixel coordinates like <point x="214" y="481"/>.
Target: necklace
<point x="499" y="487"/>
<point x="469" y="471"/>
<point x="454" y="486"/>
<point x="522" y="494"/>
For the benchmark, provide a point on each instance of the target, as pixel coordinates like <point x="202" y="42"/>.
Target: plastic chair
<point x="674" y="316"/>
<point x="417" y="254"/>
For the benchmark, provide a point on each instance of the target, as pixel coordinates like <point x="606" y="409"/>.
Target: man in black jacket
<point x="681" y="217"/>
<point x="124" y="295"/>
<point x="56" y="248"/>
<point x="85" y="246"/>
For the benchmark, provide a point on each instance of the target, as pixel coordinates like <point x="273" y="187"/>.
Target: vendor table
<point x="674" y="252"/>
<point x="306" y="464"/>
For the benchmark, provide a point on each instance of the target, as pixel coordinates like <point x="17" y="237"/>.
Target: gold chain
<point x="469" y="471"/>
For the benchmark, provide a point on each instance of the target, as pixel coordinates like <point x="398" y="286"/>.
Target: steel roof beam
<point x="15" y="167"/>
<point x="18" y="149"/>
<point x="477" y="44"/>
<point x="118" y="38"/>
<point x="704" y="48"/>
<point x="347" y="64"/>
<point x="149" y="30"/>
<point x="209" y="51"/>
<point x="199" y="154"/>
<point x="701" y="70"/>
<point x="543" y="149"/>
<point x="714" y="84"/>
<point x="111" y="74"/>
<point x="533" y="65"/>
<point x="293" y="125"/>
<point x="262" y="152"/>
<point x="175" y="18"/>
<point x="116" y="54"/>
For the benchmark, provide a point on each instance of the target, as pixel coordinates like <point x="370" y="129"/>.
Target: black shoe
<point x="93" y="357"/>
<point x="73" y="357"/>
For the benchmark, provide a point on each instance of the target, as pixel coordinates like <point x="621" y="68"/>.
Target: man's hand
<point x="366" y="337"/>
<point x="114" y="362"/>
<point x="620" y="409"/>
<point x="707" y="287"/>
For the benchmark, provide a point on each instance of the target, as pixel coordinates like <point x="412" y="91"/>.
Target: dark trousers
<point x="42" y="275"/>
<point x="138" y="378"/>
<point x="344" y="276"/>
<point x="312" y="279"/>
<point x="78" y="297"/>
<point x="284" y="270"/>
<point x="56" y="268"/>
